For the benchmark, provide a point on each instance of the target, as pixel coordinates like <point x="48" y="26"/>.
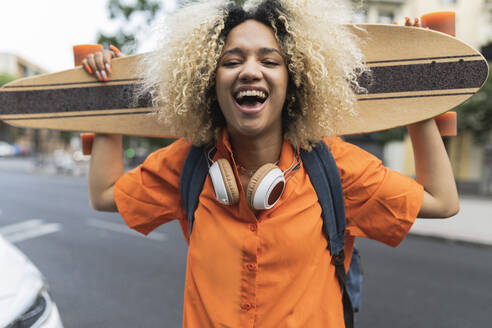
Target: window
<point x="386" y="17"/>
<point x="360" y="18"/>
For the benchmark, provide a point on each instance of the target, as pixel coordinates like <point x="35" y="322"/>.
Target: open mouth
<point x="251" y="98"/>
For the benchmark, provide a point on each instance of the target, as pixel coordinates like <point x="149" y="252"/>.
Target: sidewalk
<point x="48" y="165"/>
<point x="472" y="224"/>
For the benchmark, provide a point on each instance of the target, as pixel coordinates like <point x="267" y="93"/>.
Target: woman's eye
<point x="230" y="63"/>
<point x="270" y="63"/>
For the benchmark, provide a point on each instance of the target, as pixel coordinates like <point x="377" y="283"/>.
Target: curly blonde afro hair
<point x="322" y="56"/>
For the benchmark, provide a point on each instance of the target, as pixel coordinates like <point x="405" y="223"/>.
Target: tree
<point x="5" y="130"/>
<point x="6" y="78"/>
<point x="127" y="13"/>
<point x="125" y="38"/>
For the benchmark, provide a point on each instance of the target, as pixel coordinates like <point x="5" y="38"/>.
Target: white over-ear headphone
<point x="264" y="188"/>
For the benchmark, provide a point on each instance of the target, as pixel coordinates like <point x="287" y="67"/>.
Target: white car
<point x="6" y="149"/>
<point x="24" y="297"/>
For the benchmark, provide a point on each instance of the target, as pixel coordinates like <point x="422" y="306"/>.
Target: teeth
<point x="251" y="93"/>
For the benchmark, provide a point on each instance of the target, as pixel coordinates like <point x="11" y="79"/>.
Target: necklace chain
<point x="249" y="173"/>
<point x="242" y="170"/>
<point x="245" y="171"/>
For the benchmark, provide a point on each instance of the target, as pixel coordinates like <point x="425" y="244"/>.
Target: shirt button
<point x="253" y="227"/>
<point x="246" y="306"/>
<point x="251" y="267"/>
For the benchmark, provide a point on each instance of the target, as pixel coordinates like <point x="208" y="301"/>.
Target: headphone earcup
<point x="265" y="187"/>
<point x="224" y="182"/>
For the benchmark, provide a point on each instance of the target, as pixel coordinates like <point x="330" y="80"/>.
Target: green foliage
<point x="124" y="38"/>
<point x="476" y="113"/>
<point x="184" y="2"/>
<point x="6" y="78"/>
<point x="124" y="11"/>
<point x="389" y="135"/>
<point x="118" y="9"/>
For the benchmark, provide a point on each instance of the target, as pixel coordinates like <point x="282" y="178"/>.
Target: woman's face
<point x="251" y="80"/>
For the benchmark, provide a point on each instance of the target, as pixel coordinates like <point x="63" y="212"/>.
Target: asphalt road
<point x="103" y="275"/>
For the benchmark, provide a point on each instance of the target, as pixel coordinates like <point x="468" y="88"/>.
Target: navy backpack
<point x="323" y="173"/>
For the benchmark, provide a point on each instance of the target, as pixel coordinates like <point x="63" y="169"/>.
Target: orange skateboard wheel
<point x="87" y="140"/>
<point x="442" y="21"/>
<point x="447" y="124"/>
<point x="81" y="51"/>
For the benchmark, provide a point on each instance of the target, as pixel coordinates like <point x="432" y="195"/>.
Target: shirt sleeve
<point x="149" y="195"/>
<point x="380" y="203"/>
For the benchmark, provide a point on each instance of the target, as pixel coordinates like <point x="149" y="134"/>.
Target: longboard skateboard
<point x="416" y="74"/>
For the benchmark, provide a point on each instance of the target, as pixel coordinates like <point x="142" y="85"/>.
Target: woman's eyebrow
<point x="262" y="51"/>
<point x="233" y="51"/>
<point x="267" y="50"/>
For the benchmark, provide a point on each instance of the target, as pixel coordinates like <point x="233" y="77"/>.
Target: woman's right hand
<point x="99" y="63"/>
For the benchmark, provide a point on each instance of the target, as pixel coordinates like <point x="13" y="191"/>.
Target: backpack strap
<point x="323" y="173"/>
<point x="354" y="280"/>
<point x="193" y="175"/>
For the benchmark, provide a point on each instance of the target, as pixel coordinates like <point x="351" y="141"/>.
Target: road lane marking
<point x="115" y="227"/>
<point x="37" y="231"/>
<point x="11" y="228"/>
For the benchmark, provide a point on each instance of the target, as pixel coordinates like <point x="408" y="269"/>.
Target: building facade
<point x="36" y="141"/>
<point x="17" y="66"/>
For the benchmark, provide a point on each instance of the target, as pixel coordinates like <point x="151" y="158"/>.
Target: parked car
<point x="6" y="149"/>
<point x="25" y="301"/>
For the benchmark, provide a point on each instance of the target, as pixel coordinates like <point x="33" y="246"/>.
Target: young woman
<point x="257" y="84"/>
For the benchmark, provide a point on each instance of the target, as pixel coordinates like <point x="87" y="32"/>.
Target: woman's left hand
<point x="99" y="63"/>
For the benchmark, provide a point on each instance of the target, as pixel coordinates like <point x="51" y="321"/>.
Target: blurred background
<point x="102" y="274"/>
<point x="42" y="44"/>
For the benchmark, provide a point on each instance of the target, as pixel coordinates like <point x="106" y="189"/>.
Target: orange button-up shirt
<point x="273" y="270"/>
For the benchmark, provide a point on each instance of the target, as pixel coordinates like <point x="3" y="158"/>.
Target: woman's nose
<point x="250" y="72"/>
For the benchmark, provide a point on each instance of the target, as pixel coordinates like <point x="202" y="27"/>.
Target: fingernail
<point x="108" y="68"/>
<point x="88" y="69"/>
<point x="115" y="50"/>
<point x="104" y="76"/>
<point x="98" y="75"/>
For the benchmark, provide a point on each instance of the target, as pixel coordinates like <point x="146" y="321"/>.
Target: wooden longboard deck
<point x="416" y="74"/>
